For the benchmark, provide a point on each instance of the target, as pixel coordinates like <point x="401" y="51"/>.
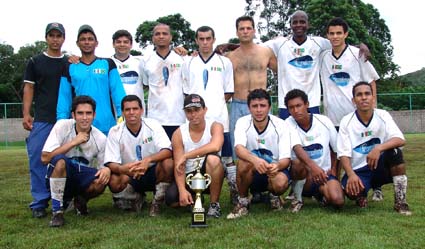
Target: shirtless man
<point x="250" y="62"/>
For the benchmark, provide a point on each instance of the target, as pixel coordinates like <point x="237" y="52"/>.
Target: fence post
<point x="5" y="126"/>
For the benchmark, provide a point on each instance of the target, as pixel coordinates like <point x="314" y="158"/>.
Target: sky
<point x="24" y="21"/>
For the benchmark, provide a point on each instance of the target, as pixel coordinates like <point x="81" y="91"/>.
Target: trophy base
<point x="198" y="220"/>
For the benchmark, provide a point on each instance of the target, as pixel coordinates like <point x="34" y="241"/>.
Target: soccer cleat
<point x="402" y="208"/>
<point x="57" y="219"/>
<point x="39" y="213"/>
<point x="80" y="204"/>
<point x="378" y="195"/>
<point x="214" y="210"/>
<point x="276" y="203"/>
<point x="154" y="210"/>
<point x="296" y="206"/>
<point x="362" y="202"/>
<point x="237" y="212"/>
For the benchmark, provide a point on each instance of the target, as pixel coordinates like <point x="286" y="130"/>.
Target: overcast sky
<point x="24" y="21"/>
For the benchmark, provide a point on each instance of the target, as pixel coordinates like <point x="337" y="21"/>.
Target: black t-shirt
<point x="45" y="72"/>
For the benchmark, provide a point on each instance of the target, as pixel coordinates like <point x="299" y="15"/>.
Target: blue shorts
<point x="79" y="175"/>
<point x="284" y="113"/>
<point x="314" y="188"/>
<point x="226" y="149"/>
<point x="170" y="130"/>
<point x="146" y="182"/>
<point x="260" y="182"/>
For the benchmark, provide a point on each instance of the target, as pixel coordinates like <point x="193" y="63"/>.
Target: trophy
<point x="198" y="183"/>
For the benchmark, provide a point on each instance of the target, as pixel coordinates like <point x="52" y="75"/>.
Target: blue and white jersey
<point x="299" y="66"/>
<point x="90" y="153"/>
<point x="124" y="147"/>
<point x="338" y="76"/>
<point x="318" y="140"/>
<point x="130" y="71"/>
<point x="163" y="76"/>
<point x="211" y="79"/>
<point x="99" y="80"/>
<point x="356" y="139"/>
<point x="272" y="144"/>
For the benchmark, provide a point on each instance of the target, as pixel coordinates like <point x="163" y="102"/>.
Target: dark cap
<point x="55" y="26"/>
<point x="193" y="100"/>
<point x="85" y="28"/>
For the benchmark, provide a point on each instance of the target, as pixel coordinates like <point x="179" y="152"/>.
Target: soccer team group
<point x="92" y="130"/>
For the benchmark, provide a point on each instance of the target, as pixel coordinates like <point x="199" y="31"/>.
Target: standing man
<point x="298" y="64"/>
<point x="162" y="74"/>
<point x="139" y="151"/>
<point x="74" y="153"/>
<point x="199" y="139"/>
<point x="129" y="67"/>
<point x="318" y="137"/>
<point x="263" y="146"/>
<point x="210" y="75"/>
<point x="95" y="77"/>
<point x="41" y="85"/>
<point x="369" y="143"/>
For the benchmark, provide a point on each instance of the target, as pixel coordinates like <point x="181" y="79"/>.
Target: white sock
<point x="231" y="173"/>
<point x="160" y="190"/>
<point x="57" y="189"/>
<point x="400" y="188"/>
<point x="297" y="188"/>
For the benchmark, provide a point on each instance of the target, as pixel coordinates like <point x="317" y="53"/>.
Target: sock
<point x="231" y="173"/>
<point x="244" y="201"/>
<point x="298" y="189"/>
<point x="160" y="189"/>
<point x="400" y="188"/>
<point x="57" y="189"/>
<point x="128" y="193"/>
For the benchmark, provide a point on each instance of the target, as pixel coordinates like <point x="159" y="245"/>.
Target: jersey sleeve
<point x="368" y="72"/>
<point x="54" y="140"/>
<point x="29" y="75"/>
<point x="186" y="74"/>
<point x="63" y="109"/>
<point x="343" y="144"/>
<point x="102" y="147"/>
<point x="112" y="148"/>
<point x="285" y="144"/>
<point x="391" y="128"/>
<point x="228" y="77"/>
<point x="240" y="132"/>
<point x="116" y="86"/>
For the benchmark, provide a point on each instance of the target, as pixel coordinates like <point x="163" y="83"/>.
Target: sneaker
<point x="214" y="210"/>
<point x="154" y="210"/>
<point x="233" y="192"/>
<point x="39" y="213"/>
<point x="362" y="202"/>
<point x="275" y="202"/>
<point x="377" y="195"/>
<point x="402" y="208"/>
<point x="237" y="212"/>
<point x="80" y="204"/>
<point x="296" y="206"/>
<point x="57" y="219"/>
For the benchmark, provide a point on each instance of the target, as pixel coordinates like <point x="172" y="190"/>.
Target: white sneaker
<point x="377" y="195"/>
<point x="238" y="212"/>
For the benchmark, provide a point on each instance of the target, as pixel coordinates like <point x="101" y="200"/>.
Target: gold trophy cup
<point x="198" y="183"/>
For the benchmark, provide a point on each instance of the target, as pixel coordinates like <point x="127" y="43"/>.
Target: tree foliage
<point x="365" y="22"/>
<point x="180" y="30"/>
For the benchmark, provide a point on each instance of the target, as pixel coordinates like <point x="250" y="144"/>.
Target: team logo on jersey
<point x="265" y="154"/>
<point x="217" y="69"/>
<point x="124" y="66"/>
<point x="340" y="79"/>
<point x="129" y="77"/>
<point x="205" y="78"/>
<point x="366" y="147"/>
<point x="147" y="140"/>
<point x="314" y="151"/>
<point x="299" y="51"/>
<point x="303" y="62"/>
<point x="99" y="71"/>
<point x="336" y="67"/>
<point x="175" y="66"/>
<point x="261" y="141"/>
<point x="366" y="134"/>
<point x="165" y="74"/>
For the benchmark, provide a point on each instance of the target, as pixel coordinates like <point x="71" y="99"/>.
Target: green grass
<point x="378" y="226"/>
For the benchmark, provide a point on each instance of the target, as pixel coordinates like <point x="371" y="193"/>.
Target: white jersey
<point x="190" y="145"/>
<point x="338" y="76"/>
<point x="356" y="139"/>
<point x="318" y="140"/>
<point x="93" y="151"/>
<point x="211" y="79"/>
<point x="299" y="66"/>
<point x="124" y="147"/>
<point x="164" y="78"/>
<point x="275" y="142"/>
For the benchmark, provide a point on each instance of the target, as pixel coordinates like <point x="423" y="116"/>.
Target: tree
<point x="366" y="25"/>
<point x="180" y="30"/>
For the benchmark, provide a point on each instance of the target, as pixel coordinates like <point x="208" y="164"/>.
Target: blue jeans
<point x="239" y="108"/>
<point x="35" y="142"/>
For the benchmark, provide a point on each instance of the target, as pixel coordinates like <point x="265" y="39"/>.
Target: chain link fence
<point x="407" y="109"/>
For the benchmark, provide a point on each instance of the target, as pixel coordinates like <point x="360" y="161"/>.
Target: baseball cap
<point x="55" y="26"/>
<point x="193" y="100"/>
<point x="85" y="28"/>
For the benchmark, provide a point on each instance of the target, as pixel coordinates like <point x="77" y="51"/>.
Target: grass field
<point x="377" y="226"/>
